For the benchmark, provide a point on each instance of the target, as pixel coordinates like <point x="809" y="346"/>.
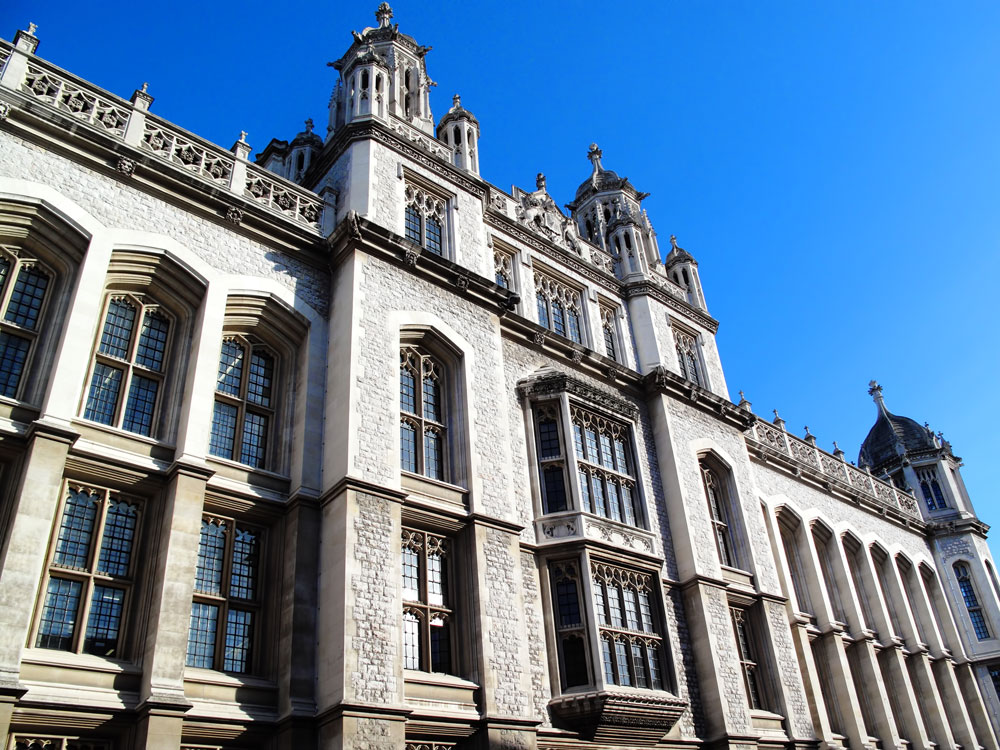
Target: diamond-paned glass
<point x="59" y="613"/>
<point x="117" y="334"/>
<point x="152" y="340"/>
<point x="140" y="405"/>
<point x="27" y="297"/>
<point x="119" y="534"/>
<point x="102" y="398"/>
<point x="211" y="558"/>
<point x="13" y="357"/>
<point x="106" y="605"/>
<point x="230" y="368"/>
<point x="239" y="637"/>
<point x="223" y="430"/>
<point x="201" y="635"/>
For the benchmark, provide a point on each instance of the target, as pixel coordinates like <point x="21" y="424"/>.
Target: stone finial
<point x="744" y="404"/>
<point x="540" y="181"/>
<point x="310" y="125"/>
<point x="809" y="437"/>
<point x="874" y="390"/>
<point x="673" y="242"/>
<point x="145" y="87"/>
<point x="778" y="421"/>
<point x="837" y="452"/>
<point x="32" y="28"/>
<point x="243" y="136"/>
<point x="456" y="102"/>
<point x="595" y="154"/>
<point x="383" y="15"/>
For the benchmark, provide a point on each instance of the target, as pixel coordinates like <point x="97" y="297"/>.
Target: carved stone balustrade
<point x="576" y="525"/>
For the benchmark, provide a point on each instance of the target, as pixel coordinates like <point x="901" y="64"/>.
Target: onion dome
<point x="677" y="254"/>
<point x="892" y="436"/>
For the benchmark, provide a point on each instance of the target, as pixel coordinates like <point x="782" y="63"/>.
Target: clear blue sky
<point x="833" y="166"/>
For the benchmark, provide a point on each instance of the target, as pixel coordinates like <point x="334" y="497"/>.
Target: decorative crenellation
<point x="88" y="106"/>
<point x="175" y="148"/>
<point x="831" y="466"/>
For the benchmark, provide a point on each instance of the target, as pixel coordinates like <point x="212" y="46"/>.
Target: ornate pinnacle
<point x="673" y="242"/>
<point x="383" y="15"/>
<point x="540" y="181"/>
<point x="243" y="136"/>
<point x="595" y="154"/>
<point x="145" y="87"/>
<point x="456" y="101"/>
<point x="874" y="387"/>
<point x="309" y="125"/>
<point x="32" y="28"/>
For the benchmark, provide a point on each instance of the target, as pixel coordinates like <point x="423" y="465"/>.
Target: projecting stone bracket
<point x="619" y="718"/>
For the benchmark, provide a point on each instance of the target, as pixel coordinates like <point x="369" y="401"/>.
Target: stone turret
<point x="682" y="269"/>
<point x="383" y="75"/>
<point x="607" y="209"/>
<point x="460" y="129"/>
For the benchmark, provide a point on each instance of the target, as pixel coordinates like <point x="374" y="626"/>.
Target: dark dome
<point x="891" y="436"/>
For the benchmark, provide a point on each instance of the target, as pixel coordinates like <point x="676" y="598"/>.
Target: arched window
<point x="423" y="414"/>
<point x="427" y="611"/>
<point x="243" y="415"/>
<point x="606" y="467"/>
<point x="930" y="488"/>
<point x="719" y="504"/>
<point x="688" y="357"/>
<point x="129" y="366"/>
<point x="424" y="218"/>
<point x="559" y="307"/>
<point x="569" y="624"/>
<point x="968" y="589"/>
<point x="551" y="458"/>
<point x="503" y="264"/>
<point x="747" y="652"/>
<point x="23" y="288"/>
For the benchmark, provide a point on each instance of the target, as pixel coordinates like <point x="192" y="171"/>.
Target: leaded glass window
<point x="90" y="575"/>
<point x="605" y="467"/>
<point x="551" y="460"/>
<point x="422" y="414"/>
<point x="631" y="644"/>
<point x="225" y="613"/>
<point x="971" y="599"/>
<point x="746" y="650"/>
<point x="930" y="488"/>
<point x="427" y="608"/>
<point x="244" y="412"/>
<point x="559" y="307"/>
<point x="503" y="263"/>
<point x="24" y="285"/>
<point x="423" y="219"/>
<point x="719" y="504"/>
<point x="688" y="357"/>
<point x="128" y="373"/>
<point x="571" y="630"/>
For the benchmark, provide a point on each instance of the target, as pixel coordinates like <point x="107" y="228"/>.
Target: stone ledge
<point x="619" y="718"/>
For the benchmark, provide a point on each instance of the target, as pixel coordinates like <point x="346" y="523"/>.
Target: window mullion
<point x="83" y="612"/>
<point x="569" y="451"/>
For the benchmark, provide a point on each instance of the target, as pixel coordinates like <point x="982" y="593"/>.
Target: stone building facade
<point x="346" y="447"/>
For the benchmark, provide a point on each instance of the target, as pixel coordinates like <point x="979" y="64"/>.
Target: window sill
<point x="434" y="489"/>
<point x="230" y="472"/>
<point x="768" y="723"/>
<point x="737" y="576"/>
<point x="598" y="715"/>
<point x="225" y="679"/>
<point x="68" y="660"/>
<point x="440" y="692"/>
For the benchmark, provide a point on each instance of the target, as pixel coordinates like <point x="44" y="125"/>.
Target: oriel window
<point x="24" y="284"/>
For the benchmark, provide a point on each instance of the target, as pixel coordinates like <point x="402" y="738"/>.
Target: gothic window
<point x="609" y="331"/>
<point x="688" y="358"/>
<point x="422" y="414"/>
<point x="605" y="467"/>
<point x="128" y="370"/>
<point x="424" y="219"/>
<point x="746" y="651"/>
<point x="427" y="608"/>
<point x="559" y="308"/>
<point x="503" y="263"/>
<point x="571" y="633"/>
<point x="930" y="488"/>
<point x="23" y="287"/>
<point x="243" y="414"/>
<point x="720" y="509"/>
<point x="965" y="585"/>
<point x="551" y="458"/>
<point x="91" y="573"/>
<point x="790" y="546"/>
<point x="225" y="613"/>
<point x="631" y="646"/>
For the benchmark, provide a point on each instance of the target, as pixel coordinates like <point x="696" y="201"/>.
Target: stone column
<point x="171" y="574"/>
<point x="297" y="625"/>
<point x="359" y="666"/>
<point x="24" y="551"/>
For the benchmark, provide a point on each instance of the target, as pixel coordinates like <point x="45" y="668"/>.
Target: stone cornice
<point x="561" y="382"/>
<point x="663" y="381"/>
<point x="650" y="289"/>
<point x="957" y="526"/>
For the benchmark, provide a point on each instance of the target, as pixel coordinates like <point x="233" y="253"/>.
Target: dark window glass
<point x="434" y="235"/>
<point x="13" y="356"/>
<point x="230" y="368"/>
<point x="26" y="299"/>
<point x="152" y="341"/>
<point x="140" y="404"/>
<point x="543" y="311"/>
<point x="106" y="605"/>
<point x="62" y="600"/>
<point x="105" y="385"/>
<point x="211" y="557"/>
<point x="223" y="430"/>
<point x="261" y="378"/>
<point x="609" y="342"/>
<point x="117" y="334"/>
<point x="254" y="442"/>
<point x="548" y="438"/>
<point x="76" y="530"/>
<point x="413" y="225"/>
<point x="119" y="534"/>
<point x="555" y="489"/>
<point x="558" y="318"/>
<point x="575" y="332"/>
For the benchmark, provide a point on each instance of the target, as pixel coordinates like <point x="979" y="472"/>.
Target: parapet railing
<point x="131" y="123"/>
<point x="834" y="467"/>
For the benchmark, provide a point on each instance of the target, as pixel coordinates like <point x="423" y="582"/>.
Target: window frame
<point x="552" y="295"/>
<point x="749" y="655"/>
<point x="88" y="576"/>
<point x="226" y="603"/>
<point x="129" y="367"/>
<point x="611" y="334"/>
<point x="690" y="358"/>
<point x="418" y="421"/>
<point x="930" y="488"/>
<point x="730" y="526"/>
<point x="418" y="541"/>
<point x="970" y="597"/>
<point x="250" y="346"/>
<point x="425" y="203"/>
<point x="18" y="261"/>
